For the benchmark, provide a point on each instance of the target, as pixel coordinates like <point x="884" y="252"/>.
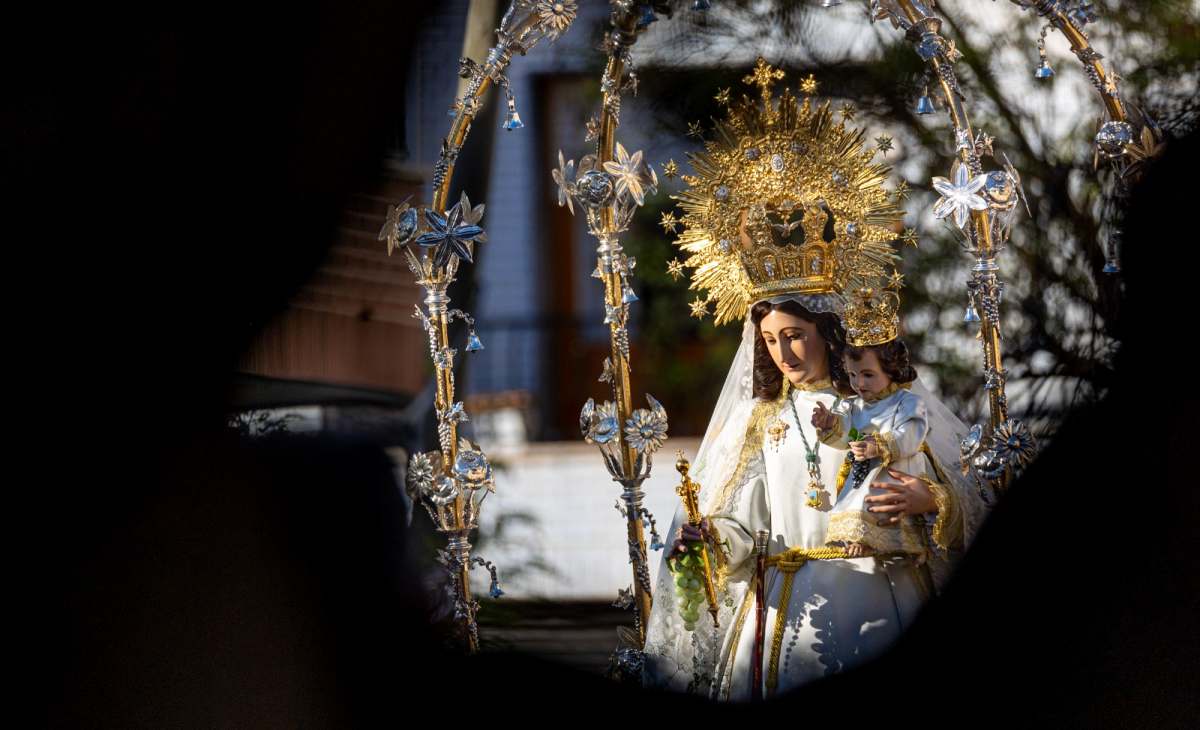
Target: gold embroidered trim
<point x="948" y="528"/>
<point x="720" y="563"/>
<point x="737" y="629"/>
<point x="886" y="443"/>
<point x="818" y="384"/>
<point x="847" y="527"/>
<point x="891" y="387"/>
<point x="948" y="525"/>
<point x="752" y="442"/>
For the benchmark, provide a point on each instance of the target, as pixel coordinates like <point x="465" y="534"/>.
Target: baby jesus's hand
<point x="823" y="418"/>
<point x="865" y="449"/>
<point x="858" y="550"/>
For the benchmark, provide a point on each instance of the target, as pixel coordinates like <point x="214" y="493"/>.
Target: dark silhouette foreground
<point x="180" y="185"/>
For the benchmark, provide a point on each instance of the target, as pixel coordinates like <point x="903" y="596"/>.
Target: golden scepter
<point x="690" y="492"/>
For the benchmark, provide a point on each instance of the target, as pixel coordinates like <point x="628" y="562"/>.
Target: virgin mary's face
<point x="796" y="346"/>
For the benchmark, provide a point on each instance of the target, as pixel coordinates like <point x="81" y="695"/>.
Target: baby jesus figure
<point x="884" y="427"/>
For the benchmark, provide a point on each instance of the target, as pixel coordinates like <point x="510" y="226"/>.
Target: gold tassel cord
<point x="788" y="562"/>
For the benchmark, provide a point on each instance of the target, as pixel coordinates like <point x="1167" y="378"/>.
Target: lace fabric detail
<point x="847" y="527"/>
<point x="750" y="458"/>
<point x="753" y="466"/>
<point x="688" y="661"/>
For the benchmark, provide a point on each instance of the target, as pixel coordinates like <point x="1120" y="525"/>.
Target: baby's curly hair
<point x="893" y="358"/>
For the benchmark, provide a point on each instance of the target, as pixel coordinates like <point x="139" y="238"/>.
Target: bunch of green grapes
<point x="688" y="570"/>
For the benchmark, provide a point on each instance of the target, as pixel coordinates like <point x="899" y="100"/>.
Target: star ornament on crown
<point x="784" y="200"/>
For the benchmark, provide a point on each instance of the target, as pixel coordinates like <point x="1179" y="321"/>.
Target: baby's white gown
<point x="901" y="421"/>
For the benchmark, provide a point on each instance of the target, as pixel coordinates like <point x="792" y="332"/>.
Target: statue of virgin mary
<point x="785" y="213"/>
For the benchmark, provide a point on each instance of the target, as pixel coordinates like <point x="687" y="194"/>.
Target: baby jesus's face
<point x="866" y="376"/>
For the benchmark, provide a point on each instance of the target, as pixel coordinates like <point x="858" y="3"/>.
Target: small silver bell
<point x="971" y="316"/>
<point x="514" y="120"/>
<point x="924" y="104"/>
<point x="627" y="294"/>
<point x="1043" y="70"/>
<point x="473" y="343"/>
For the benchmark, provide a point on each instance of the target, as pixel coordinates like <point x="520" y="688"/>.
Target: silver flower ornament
<point x="566" y="185"/>
<point x="595" y="188"/>
<point x="627" y="171"/>
<point x="471" y="467"/>
<point x="555" y="16"/>
<point x="587" y="419"/>
<point x="607" y="427"/>
<point x="646" y="429"/>
<point x="1014" y="443"/>
<point x="961" y="196"/>
<point x="473" y="215"/>
<point x="420" y="474"/>
<point x="448" y="235"/>
<point x="399" y="227"/>
<point x="442" y="491"/>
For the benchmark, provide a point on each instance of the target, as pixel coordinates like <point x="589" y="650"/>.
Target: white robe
<point x="840" y="612"/>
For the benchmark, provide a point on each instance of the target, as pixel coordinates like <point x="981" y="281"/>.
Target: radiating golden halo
<point x="784" y="200"/>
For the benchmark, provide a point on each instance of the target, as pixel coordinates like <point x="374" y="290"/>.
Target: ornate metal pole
<point x="1129" y="137"/>
<point x="452" y="482"/>
<point x="610" y="186"/>
<point x="984" y="208"/>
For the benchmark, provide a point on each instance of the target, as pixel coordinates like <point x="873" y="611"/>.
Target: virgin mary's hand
<point x="689" y="534"/>
<point x="906" y="495"/>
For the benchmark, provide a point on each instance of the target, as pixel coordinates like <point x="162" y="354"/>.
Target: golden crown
<point x="783" y="200"/>
<point x="871" y="316"/>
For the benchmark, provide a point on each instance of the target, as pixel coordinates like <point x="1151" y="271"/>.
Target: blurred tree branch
<point x="1058" y="305"/>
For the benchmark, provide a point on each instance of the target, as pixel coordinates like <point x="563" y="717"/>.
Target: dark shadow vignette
<point x="182" y="578"/>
